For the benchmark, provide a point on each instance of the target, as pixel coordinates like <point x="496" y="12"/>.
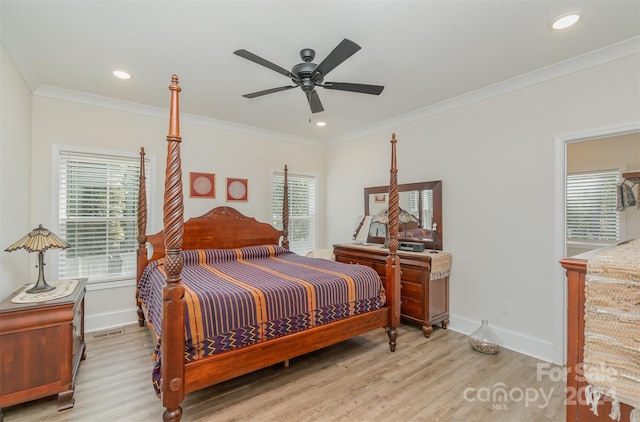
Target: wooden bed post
<point x="393" y="260"/>
<point x="172" y="347"/>
<point x="285" y="210"/>
<point x="142" y="234"/>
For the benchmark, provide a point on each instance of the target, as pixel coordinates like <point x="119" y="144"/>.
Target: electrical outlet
<point x="506" y="307"/>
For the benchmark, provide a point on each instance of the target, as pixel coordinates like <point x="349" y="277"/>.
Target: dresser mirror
<point x="420" y="217"/>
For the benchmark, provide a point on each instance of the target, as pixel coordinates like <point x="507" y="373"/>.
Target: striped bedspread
<point x="238" y="297"/>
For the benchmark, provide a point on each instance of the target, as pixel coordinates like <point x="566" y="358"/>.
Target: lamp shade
<point x="39" y="240"/>
<point x="406" y="217"/>
<point x="382" y="218"/>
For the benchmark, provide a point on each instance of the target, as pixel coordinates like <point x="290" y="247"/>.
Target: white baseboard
<point x="536" y="347"/>
<point x="109" y="320"/>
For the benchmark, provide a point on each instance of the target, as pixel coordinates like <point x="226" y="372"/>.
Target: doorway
<point x="560" y="229"/>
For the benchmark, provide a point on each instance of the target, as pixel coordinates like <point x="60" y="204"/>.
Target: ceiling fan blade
<point x="268" y="91"/>
<point x="314" y="101"/>
<point x="361" y="88"/>
<point x="263" y="62"/>
<point x="342" y="52"/>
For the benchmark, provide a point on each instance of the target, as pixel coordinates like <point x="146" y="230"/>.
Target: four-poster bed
<point x="249" y="259"/>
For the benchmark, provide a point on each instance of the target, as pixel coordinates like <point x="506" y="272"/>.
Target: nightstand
<point x="41" y="346"/>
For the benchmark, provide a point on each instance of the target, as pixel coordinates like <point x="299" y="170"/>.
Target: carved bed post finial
<point x="393" y="261"/>
<point x="173" y="292"/>
<point x="285" y="210"/>
<point x="141" y="258"/>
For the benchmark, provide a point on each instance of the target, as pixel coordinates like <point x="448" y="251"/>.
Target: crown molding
<point x="147" y="110"/>
<point x="594" y="58"/>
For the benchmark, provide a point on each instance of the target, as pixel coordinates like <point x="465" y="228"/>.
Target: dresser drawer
<point x="413" y="275"/>
<point x="352" y="260"/>
<point x="411" y="308"/>
<point x="381" y="269"/>
<point x="412" y="290"/>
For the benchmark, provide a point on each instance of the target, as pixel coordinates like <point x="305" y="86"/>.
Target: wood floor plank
<point x="431" y="380"/>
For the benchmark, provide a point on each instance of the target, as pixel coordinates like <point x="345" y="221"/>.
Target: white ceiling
<point x="423" y="52"/>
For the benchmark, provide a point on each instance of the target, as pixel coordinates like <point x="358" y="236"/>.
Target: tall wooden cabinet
<point x="578" y="410"/>
<point x="41" y="346"/>
<point x="424" y="299"/>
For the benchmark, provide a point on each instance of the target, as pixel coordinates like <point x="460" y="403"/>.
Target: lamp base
<point x="41" y="287"/>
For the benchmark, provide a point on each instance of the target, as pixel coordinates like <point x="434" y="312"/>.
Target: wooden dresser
<point x="41" y="346"/>
<point x="424" y="293"/>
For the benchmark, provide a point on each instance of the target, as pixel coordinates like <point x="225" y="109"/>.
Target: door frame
<point x="560" y="229"/>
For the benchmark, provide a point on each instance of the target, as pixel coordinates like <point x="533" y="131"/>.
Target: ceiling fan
<point x="308" y="75"/>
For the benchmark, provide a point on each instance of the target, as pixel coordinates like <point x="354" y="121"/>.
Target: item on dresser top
<point x="484" y="340"/>
<point x="411" y="246"/>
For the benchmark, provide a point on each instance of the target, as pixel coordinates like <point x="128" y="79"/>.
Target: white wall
<point x="15" y="167"/>
<point x="204" y="149"/>
<point x="496" y="160"/>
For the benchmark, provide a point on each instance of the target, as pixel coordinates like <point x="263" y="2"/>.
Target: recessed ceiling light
<point x="566" y="20"/>
<point x="321" y="124"/>
<point x="121" y="74"/>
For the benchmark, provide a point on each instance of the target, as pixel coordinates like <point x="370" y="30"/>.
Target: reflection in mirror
<point x="420" y="218"/>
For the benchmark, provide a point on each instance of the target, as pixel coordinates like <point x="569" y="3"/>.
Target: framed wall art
<point x="202" y="185"/>
<point x="237" y="189"/>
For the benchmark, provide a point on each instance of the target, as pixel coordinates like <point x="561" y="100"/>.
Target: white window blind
<point x="302" y="210"/>
<point x="591" y="206"/>
<point x="98" y="202"/>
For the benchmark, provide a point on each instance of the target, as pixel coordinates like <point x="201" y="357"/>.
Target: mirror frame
<point x="435" y="186"/>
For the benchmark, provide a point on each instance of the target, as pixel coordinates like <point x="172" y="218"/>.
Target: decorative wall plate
<point x="202" y="185"/>
<point x="237" y="189"/>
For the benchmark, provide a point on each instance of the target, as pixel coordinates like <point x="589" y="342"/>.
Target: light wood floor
<point x="431" y="380"/>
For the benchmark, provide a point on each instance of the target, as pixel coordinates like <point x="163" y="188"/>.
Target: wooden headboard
<point x="220" y="228"/>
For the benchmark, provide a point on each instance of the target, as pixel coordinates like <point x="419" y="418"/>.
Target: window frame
<point x="57" y="150"/>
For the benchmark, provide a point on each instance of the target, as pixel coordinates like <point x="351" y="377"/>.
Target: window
<point x="427" y="206"/>
<point x="591" y="207"/>
<point x="302" y="210"/>
<point x="97" y="214"/>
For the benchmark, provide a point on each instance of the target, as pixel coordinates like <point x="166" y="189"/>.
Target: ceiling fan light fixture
<point x="566" y="20"/>
<point x="121" y="74"/>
